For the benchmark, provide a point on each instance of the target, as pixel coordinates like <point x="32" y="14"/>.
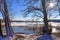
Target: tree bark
<point x="7" y="20"/>
<point x="0" y="29"/>
<point x="45" y="28"/>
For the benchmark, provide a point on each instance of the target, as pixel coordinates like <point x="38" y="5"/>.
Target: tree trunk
<point x="0" y="29"/>
<point x="45" y="13"/>
<point x="7" y="20"/>
<point x="45" y="28"/>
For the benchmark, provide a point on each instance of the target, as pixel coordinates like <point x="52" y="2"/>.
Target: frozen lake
<point x="23" y="30"/>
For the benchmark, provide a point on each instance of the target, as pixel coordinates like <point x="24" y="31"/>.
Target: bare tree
<point x="45" y="16"/>
<point x="44" y="9"/>
<point x="6" y="19"/>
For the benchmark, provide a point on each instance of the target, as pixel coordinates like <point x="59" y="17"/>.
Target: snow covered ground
<point x="56" y="38"/>
<point x="34" y="37"/>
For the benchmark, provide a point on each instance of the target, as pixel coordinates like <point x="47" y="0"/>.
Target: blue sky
<point x="16" y="9"/>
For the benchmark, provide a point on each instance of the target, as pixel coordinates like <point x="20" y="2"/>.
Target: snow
<point x="34" y="37"/>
